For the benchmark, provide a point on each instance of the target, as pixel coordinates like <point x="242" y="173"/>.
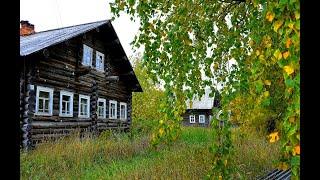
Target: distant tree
<point x="145" y="105"/>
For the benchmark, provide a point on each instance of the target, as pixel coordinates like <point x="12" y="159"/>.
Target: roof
<point x="35" y="42"/>
<point x="205" y="102"/>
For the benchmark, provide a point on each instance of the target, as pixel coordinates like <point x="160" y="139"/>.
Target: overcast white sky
<point x="51" y="14"/>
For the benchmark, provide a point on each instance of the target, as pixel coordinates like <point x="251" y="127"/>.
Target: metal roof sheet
<point x="205" y="102"/>
<point x="35" y="42"/>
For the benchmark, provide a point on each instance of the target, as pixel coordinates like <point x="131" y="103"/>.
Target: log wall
<point x="60" y="68"/>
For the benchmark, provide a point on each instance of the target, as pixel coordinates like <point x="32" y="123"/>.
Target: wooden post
<point x="93" y="104"/>
<point x="129" y="109"/>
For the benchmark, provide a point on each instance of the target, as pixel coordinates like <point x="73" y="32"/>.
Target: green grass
<point x="120" y="157"/>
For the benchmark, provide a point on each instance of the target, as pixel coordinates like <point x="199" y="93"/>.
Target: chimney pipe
<point x="26" y="28"/>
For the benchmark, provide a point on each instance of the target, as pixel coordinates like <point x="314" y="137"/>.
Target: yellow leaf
<point x="277" y="54"/>
<point x="296" y="150"/>
<point x="161" y="121"/>
<point x="292" y="119"/>
<point x="220" y="177"/>
<point x="277" y="25"/>
<point x="251" y="43"/>
<point x="261" y="57"/>
<point x="288" y="43"/>
<point x="257" y="52"/>
<point x="225" y="162"/>
<point x="286" y="54"/>
<point x="270" y="16"/>
<point x="266" y="93"/>
<point x="291" y="25"/>
<point x="297" y="15"/>
<point x="283" y="166"/>
<point x="161" y="131"/>
<point x="274" y="137"/>
<point x="288" y="69"/>
<point x="267" y="82"/>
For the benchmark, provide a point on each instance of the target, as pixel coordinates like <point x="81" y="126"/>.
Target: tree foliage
<point x="145" y="106"/>
<point x="190" y="44"/>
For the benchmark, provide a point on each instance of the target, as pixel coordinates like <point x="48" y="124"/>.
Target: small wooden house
<point x="76" y="77"/>
<point x="199" y="113"/>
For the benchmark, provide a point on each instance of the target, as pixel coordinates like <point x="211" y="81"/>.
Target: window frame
<point x="50" y="106"/>
<point x="194" y="119"/>
<point x="104" y="107"/>
<point x="70" y="94"/>
<point x="204" y="119"/>
<point x="81" y="96"/>
<point x="125" y="112"/>
<point x="100" y="53"/>
<point x="83" y="56"/>
<point x="110" y="112"/>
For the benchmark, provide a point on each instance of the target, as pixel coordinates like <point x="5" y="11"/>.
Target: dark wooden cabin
<point x="200" y="111"/>
<point x="76" y="77"/>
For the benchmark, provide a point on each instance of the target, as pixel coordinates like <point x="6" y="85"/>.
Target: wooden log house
<point x="76" y="77"/>
<point x="199" y="113"/>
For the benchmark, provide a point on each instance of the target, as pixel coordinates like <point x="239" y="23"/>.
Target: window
<point x="66" y="104"/>
<point x="192" y="119"/>
<point x="44" y="100"/>
<point x="87" y="55"/>
<point x="101" y="111"/>
<point x="84" y="106"/>
<point x="99" y="61"/>
<point x="202" y="118"/>
<point x="113" y="109"/>
<point x="123" y="110"/>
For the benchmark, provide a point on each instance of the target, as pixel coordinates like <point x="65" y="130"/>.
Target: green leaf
<point x="289" y="82"/>
<point x="259" y="86"/>
<point x="295" y="161"/>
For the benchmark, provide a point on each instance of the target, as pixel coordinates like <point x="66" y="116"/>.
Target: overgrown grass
<point x="120" y="157"/>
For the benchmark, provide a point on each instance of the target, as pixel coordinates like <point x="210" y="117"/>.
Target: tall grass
<point x="118" y="156"/>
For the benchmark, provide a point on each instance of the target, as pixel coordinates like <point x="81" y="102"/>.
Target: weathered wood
<point x="112" y="78"/>
<point x="26" y="116"/>
<point x="45" y="124"/>
<point x="59" y="67"/>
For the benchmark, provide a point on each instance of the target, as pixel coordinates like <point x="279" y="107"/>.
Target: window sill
<point x="63" y="115"/>
<point x="42" y="114"/>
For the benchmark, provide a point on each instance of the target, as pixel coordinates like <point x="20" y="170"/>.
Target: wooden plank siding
<point x="58" y="70"/>
<point x="196" y="112"/>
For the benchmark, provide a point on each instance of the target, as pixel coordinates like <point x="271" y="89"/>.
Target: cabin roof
<point x="205" y="102"/>
<point x="41" y="40"/>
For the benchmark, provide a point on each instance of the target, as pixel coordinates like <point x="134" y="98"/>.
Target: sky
<point x="51" y="14"/>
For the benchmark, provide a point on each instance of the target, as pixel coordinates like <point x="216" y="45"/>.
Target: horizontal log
<point x="43" y="124"/>
<point x="52" y="131"/>
<point x="112" y="78"/>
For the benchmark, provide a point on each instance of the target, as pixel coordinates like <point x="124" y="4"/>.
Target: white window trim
<point x="204" y="119"/>
<point x="79" y="108"/>
<point x="104" y="107"/>
<point x="99" y="53"/>
<point x="194" y="119"/>
<point x="70" y="94"/>
<point x="50" y="91"/>
<point x="91" y="49"/>
<point x="110" y="114"/>
<point x="125" y="114"/>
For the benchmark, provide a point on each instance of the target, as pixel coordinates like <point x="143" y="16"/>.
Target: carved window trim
<point x="110" y="109"/>
<point x="88" y="106"/>
<point x="50" y="105"/>
<point x="125" y="111"/>
<point x="70" y="94"/>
